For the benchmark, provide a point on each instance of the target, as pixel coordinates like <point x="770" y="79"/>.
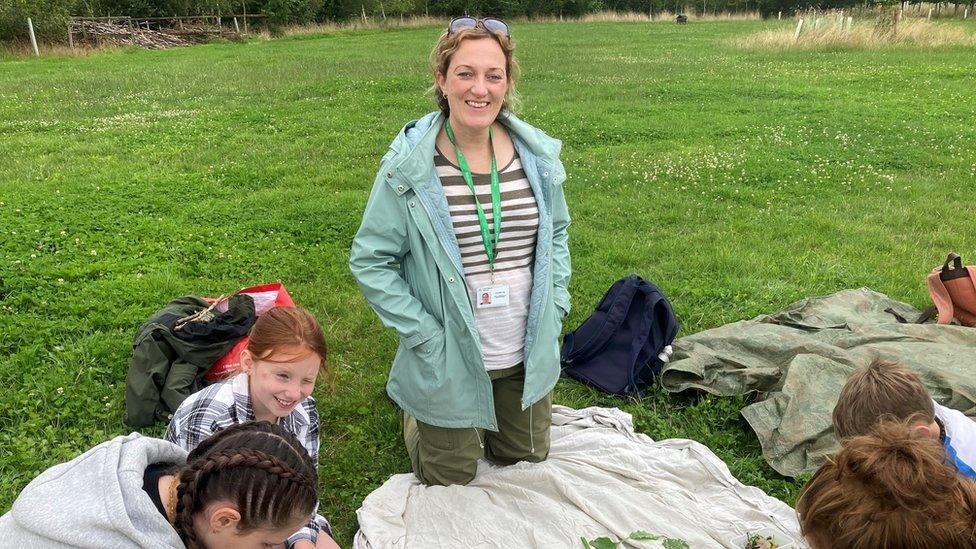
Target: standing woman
<point x="463" y="251"/>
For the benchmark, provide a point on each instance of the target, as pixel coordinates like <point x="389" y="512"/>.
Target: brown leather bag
<point x="953" y="291"/>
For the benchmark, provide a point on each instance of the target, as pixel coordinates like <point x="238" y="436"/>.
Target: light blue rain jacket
<point x="406" y="260"/>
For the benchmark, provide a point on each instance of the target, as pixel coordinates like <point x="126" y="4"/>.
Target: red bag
<point x="266" y="297"/>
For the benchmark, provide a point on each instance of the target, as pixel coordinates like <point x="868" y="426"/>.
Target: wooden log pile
<point x="150" y="32"/>
<point x="127" y="33"/>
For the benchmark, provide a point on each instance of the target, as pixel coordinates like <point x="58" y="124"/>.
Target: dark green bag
<point x="168" y="364"/>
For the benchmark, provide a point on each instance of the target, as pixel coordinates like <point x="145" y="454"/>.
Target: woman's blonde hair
<point x="449" y="42"/>
<point x="893" y="487"/>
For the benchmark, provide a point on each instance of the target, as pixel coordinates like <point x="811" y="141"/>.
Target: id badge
<point x="492" y="296"/>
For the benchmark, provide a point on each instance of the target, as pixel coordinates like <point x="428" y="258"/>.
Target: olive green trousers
<point x="443" y="456"/>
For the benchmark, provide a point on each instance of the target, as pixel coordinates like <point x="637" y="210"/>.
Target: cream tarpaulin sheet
<point x="601" y="479"/>
<point x="798" y="359"/>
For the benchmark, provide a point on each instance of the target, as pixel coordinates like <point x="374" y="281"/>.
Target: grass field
<point x="737" y="180"/>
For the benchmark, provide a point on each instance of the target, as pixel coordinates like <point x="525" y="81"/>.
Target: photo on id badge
<point x="492" y="296"/>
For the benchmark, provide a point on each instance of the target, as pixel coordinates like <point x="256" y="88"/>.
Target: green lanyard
<point x="491" y="247"/>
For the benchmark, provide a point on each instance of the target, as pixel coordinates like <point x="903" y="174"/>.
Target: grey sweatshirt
<point x="95" y="500"/>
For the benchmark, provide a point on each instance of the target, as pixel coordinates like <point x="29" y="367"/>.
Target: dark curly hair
<point x="260" y="467"/>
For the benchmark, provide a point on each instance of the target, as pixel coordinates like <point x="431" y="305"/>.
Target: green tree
<point x="50" y="19"/>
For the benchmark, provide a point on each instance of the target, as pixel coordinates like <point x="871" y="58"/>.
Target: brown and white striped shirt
<point x="501" y="329"/>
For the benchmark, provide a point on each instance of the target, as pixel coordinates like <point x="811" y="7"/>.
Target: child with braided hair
<point x="285" y="353"/>
<point x="249" y="486"/>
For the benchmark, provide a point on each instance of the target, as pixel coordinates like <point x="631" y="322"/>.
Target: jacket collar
<point x="415" y="145"/>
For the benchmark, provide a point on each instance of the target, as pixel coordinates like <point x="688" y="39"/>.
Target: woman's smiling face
<point x="475" y="83"/>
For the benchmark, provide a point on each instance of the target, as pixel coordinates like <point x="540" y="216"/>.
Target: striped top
<point x="501" y="329"/>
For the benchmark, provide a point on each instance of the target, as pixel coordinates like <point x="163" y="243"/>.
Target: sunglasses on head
<point x="490" y="24"/>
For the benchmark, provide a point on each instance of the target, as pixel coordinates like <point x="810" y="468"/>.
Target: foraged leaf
<point x="603" y="543"/>
<point x="675" y="543"/>
<point x="640" y="534"/>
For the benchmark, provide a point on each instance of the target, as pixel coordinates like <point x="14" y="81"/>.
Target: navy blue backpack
<point x="616" y="348"/>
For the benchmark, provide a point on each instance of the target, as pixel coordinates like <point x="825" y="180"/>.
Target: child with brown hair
<point x="890" y="488"/>
<point x="284" y="355"/>
<point x="250" y="486"/>
<point x="890" y="390"/>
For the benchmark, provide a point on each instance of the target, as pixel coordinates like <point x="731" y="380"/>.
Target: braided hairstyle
<point x="259" y="467"/>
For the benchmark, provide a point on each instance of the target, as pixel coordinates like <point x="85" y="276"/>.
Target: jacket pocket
<point x="431" y="358"/>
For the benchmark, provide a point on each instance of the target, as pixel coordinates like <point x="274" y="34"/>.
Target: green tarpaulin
<point x="798" y="359"/>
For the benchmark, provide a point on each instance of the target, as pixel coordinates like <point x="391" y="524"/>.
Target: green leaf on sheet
<point x="609" y="543"/>
<point x="603" y="543"/>
<point x="640" y="535"/>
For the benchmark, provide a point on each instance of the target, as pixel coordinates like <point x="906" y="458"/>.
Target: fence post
<point x="237" y="28"/>
<point x="930" y="14"/>
<point x="383" y="11"/>
<point x="71" y="35"/>
<point x="779" y="16"/>
<point x="966" y="15"/>
<point x="364" y="12"/>
<point x="799" y="29"/>
<point x="30" y="28"/>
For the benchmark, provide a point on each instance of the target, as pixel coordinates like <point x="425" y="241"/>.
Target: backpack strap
<point x="616" y="314"/>
<point x="641" y="363"/>
<point x="926" y="315"/>
<point x="957" y="270"/>
<point x="955" y="259"/>
<point x="666" y="329"/>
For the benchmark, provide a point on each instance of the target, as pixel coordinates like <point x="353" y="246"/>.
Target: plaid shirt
<point x="221" y="405"/>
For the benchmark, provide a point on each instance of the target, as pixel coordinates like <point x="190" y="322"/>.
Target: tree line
<point x="51" y="17"/>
